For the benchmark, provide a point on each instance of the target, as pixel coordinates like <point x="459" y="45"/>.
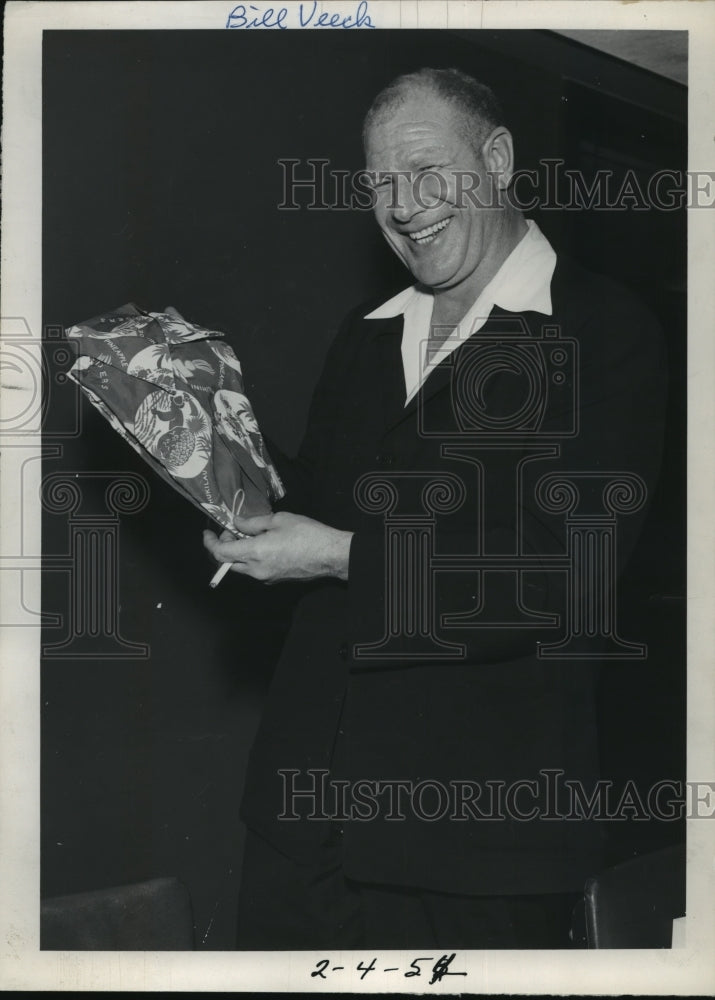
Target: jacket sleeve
<point x="621" y="409"/>
<point x="298" y="473"/>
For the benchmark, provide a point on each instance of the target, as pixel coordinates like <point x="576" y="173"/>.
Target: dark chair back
<point x="147" y="916"/>
<point x="634" y="904"/>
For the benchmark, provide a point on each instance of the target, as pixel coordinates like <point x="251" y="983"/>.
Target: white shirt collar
<point x="522" y="284"/>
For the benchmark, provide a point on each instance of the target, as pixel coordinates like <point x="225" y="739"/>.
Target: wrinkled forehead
<point x="416" y="125"/>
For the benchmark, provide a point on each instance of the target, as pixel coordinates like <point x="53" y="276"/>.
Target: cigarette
<point x="220" y="574"/>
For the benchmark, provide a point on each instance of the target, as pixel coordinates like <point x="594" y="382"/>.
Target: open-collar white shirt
<point x="522" y="283"/>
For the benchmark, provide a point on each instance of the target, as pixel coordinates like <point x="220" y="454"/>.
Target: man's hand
<point x="283" y="546"/>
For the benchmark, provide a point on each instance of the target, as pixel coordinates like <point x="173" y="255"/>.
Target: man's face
<point x="439" y="230"/>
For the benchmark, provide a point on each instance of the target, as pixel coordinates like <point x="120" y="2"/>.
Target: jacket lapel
<point x="383" y="342"/>
<point x="389" y="372"/>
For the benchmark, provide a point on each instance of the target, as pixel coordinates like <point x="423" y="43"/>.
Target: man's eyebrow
<point x="376" y="177"/>
<point x="429" y="154"/>
<point x="415" y="161"/>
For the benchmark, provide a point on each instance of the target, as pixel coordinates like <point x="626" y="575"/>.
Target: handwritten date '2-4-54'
<point x="440" y="968"/>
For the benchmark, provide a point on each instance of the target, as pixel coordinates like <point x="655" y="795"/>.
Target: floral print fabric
<point x="174" y="391"/>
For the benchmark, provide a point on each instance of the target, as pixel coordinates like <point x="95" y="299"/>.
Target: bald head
<point x="477" y="110"/>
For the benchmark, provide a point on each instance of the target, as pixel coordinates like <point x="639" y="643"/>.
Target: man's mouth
<point x="424" y="236"/>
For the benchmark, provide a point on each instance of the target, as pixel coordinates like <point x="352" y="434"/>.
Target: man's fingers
<point x="211" y="542"/>
<point x="231" y="550"/>
<point x="254" y="525"/>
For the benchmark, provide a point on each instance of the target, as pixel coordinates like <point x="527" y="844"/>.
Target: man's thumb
<point x="253" y="525"/>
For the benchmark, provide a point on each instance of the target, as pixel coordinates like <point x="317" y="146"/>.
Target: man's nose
<point x="404" y="203"/>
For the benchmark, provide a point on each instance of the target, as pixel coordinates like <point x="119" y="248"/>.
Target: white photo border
<point x="688" y="969"/>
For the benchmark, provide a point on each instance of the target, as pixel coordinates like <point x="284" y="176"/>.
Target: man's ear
<point x="498" y="156"/>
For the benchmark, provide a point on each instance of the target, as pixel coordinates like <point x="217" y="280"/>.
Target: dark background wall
<point x="161" y="181"/>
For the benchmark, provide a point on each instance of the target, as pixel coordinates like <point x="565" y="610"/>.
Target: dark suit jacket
<point x="494" y="712"/>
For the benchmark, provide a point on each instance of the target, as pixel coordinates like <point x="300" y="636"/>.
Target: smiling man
<point x="401" y="790"/>
<point x="441" y="180"/>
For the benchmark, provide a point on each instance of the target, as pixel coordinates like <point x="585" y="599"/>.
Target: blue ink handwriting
<point x="252" y="16"/>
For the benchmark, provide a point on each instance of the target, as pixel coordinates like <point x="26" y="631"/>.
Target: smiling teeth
<point x="427" y="235"/>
